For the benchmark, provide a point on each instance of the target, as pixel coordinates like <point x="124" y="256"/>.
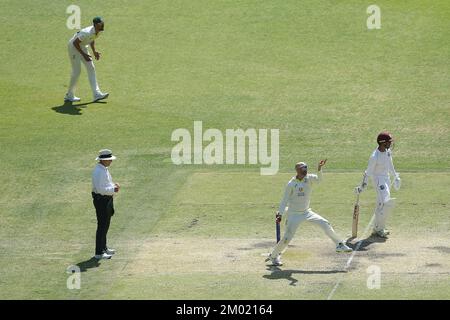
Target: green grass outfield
<point x="308" y="68"/>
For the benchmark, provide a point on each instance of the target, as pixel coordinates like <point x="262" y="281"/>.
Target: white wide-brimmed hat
<point x="105" y="154"/>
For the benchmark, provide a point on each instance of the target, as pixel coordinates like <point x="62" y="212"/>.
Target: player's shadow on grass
<point x="277" y="273"/>
<point x="74" y="109"/>
<point x="88" y="264"/>
<point x="365" y="243"/>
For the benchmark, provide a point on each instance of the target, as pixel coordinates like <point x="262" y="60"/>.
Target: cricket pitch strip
<point x="307" y="263"/>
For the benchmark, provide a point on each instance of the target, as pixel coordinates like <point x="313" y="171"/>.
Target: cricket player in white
<point x="379" y="168"/>
<point x="297" y="197"/>
<point x="78" y="52"/>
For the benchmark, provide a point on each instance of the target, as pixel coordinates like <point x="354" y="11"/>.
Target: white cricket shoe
<point x="275" y="261"/>
<point x="382" y="233"/>
<point x="342" y="247"/>
<point x="100" y="96"/>
<point x="102" y="256"/>
<point x="69" y="98"/>
<point x="109" y="251"/>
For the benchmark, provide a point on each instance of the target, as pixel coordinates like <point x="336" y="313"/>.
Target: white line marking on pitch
<point x="349" y="261"/>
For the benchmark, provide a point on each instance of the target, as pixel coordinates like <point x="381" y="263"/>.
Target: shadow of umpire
<point x="88" y="264"/>
<point x="74" y="109"/>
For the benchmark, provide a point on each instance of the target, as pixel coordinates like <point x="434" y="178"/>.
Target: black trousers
<point x="104" y="207"/>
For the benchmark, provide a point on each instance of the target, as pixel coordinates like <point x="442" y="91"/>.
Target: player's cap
<point x="97" y="20"/>
<point x="105" y="154"/>
<point x="384" y="137"/>
<point x="301" y="165"/>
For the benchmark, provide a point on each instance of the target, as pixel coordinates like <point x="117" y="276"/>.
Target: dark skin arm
<point x="76" y="44"/>
<point x="96" y="54"/>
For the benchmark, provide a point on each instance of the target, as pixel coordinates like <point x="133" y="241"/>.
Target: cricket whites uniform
<point x="297" y="197"/>
<point x="86" y="36"/>
<point x="380" y="165"/>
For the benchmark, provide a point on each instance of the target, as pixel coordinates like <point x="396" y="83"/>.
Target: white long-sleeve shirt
<point x="102" y="181"/>
<point x="297" y="194"/>
<point x="381" y="164"/>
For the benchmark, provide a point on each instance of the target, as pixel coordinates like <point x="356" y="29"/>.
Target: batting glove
<point x="360" y="189"/>
<point x="278" y="217"/>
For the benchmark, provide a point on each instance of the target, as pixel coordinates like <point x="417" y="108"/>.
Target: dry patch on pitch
<point x="416" y="255"/>
<point x="183" y="256"/>
<point x="221" y="256"/>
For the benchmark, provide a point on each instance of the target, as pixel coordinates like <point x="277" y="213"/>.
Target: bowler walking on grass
<point x="78" y="52"/>
<point x="380" y="165"/>
<point x="297" y="197"/>
<point x="103" y="191"/>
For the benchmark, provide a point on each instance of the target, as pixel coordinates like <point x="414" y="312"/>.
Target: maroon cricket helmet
<point x="384" y="137"/>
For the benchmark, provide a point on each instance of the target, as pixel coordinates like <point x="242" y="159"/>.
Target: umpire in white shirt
<point x="103" y="190"/>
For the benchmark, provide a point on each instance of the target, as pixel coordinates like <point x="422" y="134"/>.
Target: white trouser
<point x="384" y="202"/>
<point x="75" y="59"/>
<point x="293" y="221"/>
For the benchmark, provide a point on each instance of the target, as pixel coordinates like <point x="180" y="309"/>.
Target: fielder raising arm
<point x="297" y="195"/>
<point x="301" y="204"/>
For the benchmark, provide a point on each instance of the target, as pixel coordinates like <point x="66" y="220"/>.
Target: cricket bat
<point x="355" y="218"/>
<point x="278" y="231"/>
